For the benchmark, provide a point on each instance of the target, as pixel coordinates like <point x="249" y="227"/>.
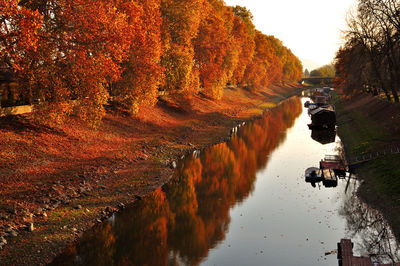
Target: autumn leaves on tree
<point x="77" y="54"/>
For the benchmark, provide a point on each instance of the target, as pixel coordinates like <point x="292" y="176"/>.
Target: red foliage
<point x="19" y="33"/>
<point x="211" y="46"/>
<point x="72" y="53"/>
<point x="143" y="73"/>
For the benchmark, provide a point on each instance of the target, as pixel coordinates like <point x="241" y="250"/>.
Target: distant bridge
<point x="317" y="80"/>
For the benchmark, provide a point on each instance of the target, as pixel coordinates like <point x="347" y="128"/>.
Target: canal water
<point x="244" y="202"/>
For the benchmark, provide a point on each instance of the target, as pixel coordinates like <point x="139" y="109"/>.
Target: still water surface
<point x="244" y="202"/>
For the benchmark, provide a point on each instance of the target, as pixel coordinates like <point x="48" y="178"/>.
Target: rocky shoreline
<point x="67" y="207"/>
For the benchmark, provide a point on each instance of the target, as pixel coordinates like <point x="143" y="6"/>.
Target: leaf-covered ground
<point x="65" y="179"/>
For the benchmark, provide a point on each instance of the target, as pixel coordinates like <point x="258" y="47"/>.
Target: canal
<point x="244" y="202"/>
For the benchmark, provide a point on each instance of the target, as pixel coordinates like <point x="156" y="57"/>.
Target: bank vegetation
<point x="73" y="56"/>
<point x="370" y="58"/>
<point x="368" y="73"/>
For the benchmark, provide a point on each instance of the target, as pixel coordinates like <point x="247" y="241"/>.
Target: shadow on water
<point x="187" y="217"/>
<point x="372" y="233"/>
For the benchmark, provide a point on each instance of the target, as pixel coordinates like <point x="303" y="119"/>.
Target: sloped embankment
<point x="368" y="124"/>
<point x="60" y="180"/>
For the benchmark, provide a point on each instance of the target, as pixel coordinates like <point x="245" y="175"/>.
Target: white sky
<point x="310" y="28"/>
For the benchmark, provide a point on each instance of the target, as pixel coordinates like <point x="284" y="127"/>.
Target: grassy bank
<point x="64" y="179"/>
<point x="367" y="124"/>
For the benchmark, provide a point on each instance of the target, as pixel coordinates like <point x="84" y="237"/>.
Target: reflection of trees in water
<point x="375" y="236"/>
<point x="221" y="177"/>
<point x="182" y="221"/>
<point x="99" y="246"/>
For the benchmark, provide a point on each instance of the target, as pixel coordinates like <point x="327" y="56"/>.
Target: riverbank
<point x="56" y="182"/>
<point x="367" y="124"/>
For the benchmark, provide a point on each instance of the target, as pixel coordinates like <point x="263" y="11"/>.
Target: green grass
<point x="361" y="134"/>
<point x="260" y="109"/>
<point x="387" y="175"/>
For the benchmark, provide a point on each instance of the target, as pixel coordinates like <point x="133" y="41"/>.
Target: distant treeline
<point x="370" y="59"/>
<point x="87" y="50"/>
<point x="324" y="71"/>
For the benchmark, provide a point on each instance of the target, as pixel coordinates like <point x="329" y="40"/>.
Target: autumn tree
<point x="20" y="30"/>
<point x="143" y="74"/>
<point x="78" y="54"/>
<point x="72" y="54"/>
<point x="212" y="46"/>
<point x="292" y="67"/>
<point x="181" y="20"/>
<point x="315" y="73"/>
<point x="244" y="32"/>
<point x="265" y="67"/>
<point x="324" y="71"/>
<point x="350" y="65"/>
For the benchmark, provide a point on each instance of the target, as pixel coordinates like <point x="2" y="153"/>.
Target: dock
<point x="335" y="163"/>
<point x="393" y="149"/>
<point x="346" y="257"/>
<point x="329" y="178"/>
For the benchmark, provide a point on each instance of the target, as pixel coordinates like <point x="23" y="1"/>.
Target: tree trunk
<point x="392" y="82"/>
<point x="388" y="97"/>
<point x="395" y="95"/>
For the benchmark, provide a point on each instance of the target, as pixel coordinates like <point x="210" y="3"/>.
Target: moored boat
<point x="313" y="174"/>
<point x="323" y="116"/>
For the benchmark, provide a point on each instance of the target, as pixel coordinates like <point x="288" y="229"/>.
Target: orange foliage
<point x="142" y="74"/>
<point x="19" y="33"/>
<point x="211" y="47"/>
<point x="181" y="21"/>
<point x="20" y="29"/>
<point x="291" y="65"/>
<point x="72" y="54"/>
<point x="265" y="67"/>
<point x="246" y="46"/>
<point x="206" y="187"/>
<point x="79" y="49"/>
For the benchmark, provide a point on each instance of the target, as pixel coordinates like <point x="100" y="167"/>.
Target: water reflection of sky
<point x="286" y="221"/>
<point x="239" y="203"/>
